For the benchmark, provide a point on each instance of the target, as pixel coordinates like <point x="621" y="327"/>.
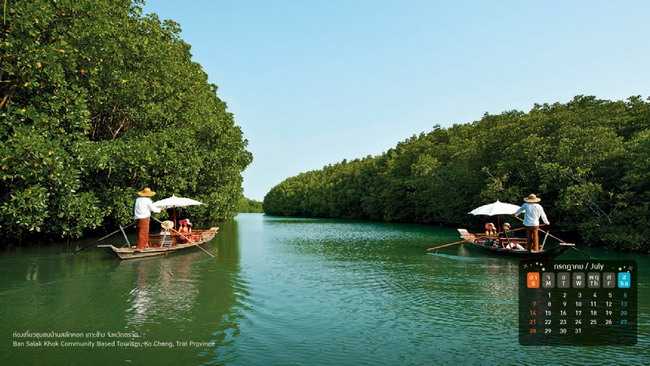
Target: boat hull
<point x="523" y="254"/>
<point x="198" y="238"/>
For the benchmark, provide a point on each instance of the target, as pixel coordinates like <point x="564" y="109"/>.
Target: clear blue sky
<point x="315" y="82"/>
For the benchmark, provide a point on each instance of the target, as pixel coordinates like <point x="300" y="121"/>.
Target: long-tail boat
<point x="497" y="245"/>
<point x="164" y="244"/>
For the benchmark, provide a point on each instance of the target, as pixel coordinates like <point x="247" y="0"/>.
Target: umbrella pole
<point x="175" y="217"/>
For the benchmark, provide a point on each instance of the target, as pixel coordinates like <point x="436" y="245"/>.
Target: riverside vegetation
<point x="588" y="159"/>
<point x="98" y="101"/>
<point x="247" y="205"/>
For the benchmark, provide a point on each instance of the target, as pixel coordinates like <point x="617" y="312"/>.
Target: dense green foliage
<point x="98" y="101"/>
<point x="249" y="205"/>
<point x="588" y="159"/>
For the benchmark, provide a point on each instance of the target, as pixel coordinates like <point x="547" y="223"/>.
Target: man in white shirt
<point x="142" y="211"/>
<point x="533" y="211"/>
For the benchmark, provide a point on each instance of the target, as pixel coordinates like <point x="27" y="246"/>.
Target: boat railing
<point x="170" y="239"/>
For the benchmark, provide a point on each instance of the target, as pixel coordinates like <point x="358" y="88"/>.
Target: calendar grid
<point x="577" y="303"/>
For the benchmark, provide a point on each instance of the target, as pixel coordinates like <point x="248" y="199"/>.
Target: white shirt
<point x="143" y="208"/>
<point x="532" y="213"/>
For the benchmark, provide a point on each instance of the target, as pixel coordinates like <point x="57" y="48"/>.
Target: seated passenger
<point x="166" y="227"/>
<point x="505" y="235"/>
<point x="490" y="229"/>
<point x="506" y="232"/>
<point x="490" y="232"/>
<point x="186" y="226"/>
<point x="185" y="229"/>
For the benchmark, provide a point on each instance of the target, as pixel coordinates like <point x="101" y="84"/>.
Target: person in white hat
<point x="533" y="211"/>
<point x="142" y="211"/>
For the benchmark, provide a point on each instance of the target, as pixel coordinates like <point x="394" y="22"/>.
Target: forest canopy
<point x="247" y="205"/>
<point x="588" y="159"/>
<point x="97" y="101"/>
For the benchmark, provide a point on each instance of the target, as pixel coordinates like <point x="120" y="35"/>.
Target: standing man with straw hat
<point x="533" y="211"/>
<point x="142" y="211"/>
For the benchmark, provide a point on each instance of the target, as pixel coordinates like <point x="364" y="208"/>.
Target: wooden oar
<point x="188" y="239"/>
<point x="97" y="241"/>
<point x="554" y="237"/>
<point x="446" y="245"/>
<point x="517" y="229"/>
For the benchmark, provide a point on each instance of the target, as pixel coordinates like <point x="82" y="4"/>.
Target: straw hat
<point x="532" y="198"/>
<point x="146" y="193"/>
<point x="167" y="225"/>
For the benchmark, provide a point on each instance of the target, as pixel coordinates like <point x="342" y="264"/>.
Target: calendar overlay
<point x="578" y="303"/>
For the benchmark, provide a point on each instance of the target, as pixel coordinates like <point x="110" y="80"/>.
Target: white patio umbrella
<point x="495" y="208"/>
<point x="173" y="202"/>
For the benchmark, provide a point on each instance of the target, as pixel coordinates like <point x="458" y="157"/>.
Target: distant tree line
<point x="588" y="159"/>
<point x="247" y="205"/>
<point x="98" y="101"/>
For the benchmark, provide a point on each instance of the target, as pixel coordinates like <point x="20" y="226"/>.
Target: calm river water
<point x="282" y="291"/>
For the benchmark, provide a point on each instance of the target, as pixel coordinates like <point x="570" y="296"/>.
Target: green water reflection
<point x="287" y="291"/>
<point x="187" y="297"/>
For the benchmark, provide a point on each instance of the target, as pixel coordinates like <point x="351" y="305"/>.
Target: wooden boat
<point x="487" y="244"/>
<point x="164" y="244"/>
